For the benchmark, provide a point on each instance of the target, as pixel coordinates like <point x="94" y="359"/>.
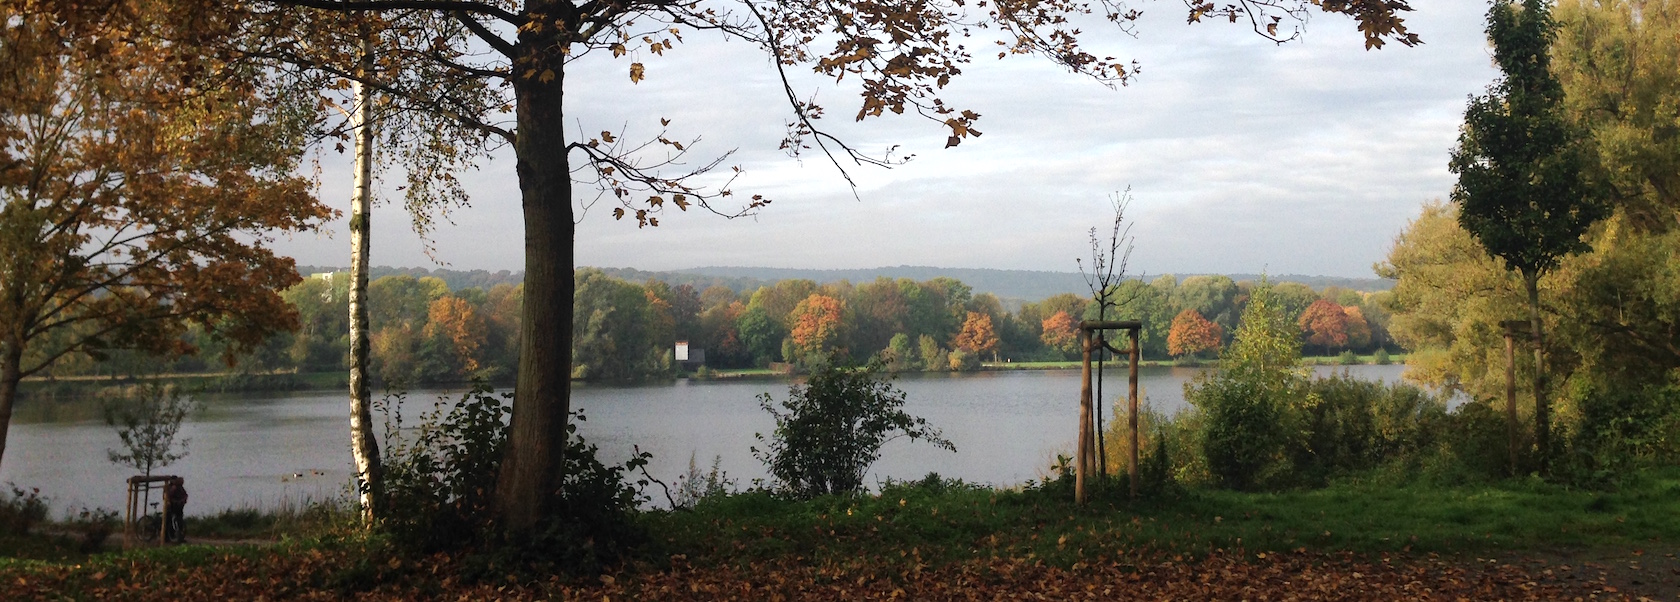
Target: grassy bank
<point x="1327" y="360"/>
<point x="919" y="535"/>
<point x="947" y="522"/>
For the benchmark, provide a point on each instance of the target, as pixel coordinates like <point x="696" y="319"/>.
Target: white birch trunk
<point x="363" y="446"/>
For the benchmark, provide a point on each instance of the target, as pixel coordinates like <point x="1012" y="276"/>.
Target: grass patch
<point x="946" y="521"/>
<point x="1334" y="360"/>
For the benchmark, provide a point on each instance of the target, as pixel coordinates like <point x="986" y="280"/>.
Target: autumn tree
<point x="815" y="326"/>
<point x="458" y="322"/>
<point x="1523" y="189"/>
<point x="1192" y="334"/>
<point x="475" y="62"/>
<point x="140" y="181"/>
<point x="1324" y="324"/>
<point x="1358" y="329"/>
<point x="977" y="335"/>
<point x="1061" y="333"/>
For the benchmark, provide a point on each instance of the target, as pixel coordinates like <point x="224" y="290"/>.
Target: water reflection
<point x="261" y="449"/>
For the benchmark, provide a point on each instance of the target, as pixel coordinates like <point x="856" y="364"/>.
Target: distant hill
<point x="456" y="279"/>
<point x="1023" y="285"/>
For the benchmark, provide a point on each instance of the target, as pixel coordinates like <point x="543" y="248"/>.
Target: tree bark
<point x="1102" y="353"/>
<point x="532" y="471"/>
<point x="1132" y="409"/>
<point x="1511" y="395"/>
<point x="1542" y="408"/>
<point x="364" y="448"/>
<point x="11" y="373"/>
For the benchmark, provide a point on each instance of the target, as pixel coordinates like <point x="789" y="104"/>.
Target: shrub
<point x="1622" y="429"/>
<point x="1248" y="419"/>
<point x="22" y="510"/>
<point x="829" y="431"/>
<point x="1381" y="357"/>
<point x="964" y="361"/>
<point x="696" y="486"/>
<point x="1478" y="439"/>
<point x="1244" y="437"/>
<point x="96" y="525"/>
<point x="439" y="487"/>
<point x="1354" y="425"/>
<point x="1347" y="358"/>
<point x="439" y="481"/>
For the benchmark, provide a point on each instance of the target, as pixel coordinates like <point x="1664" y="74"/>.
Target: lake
<point x="266" y="449"/>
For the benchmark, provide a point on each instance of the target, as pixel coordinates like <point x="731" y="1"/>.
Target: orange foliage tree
<point x="1061" y="332"/>
<point x="816" y="324"/>
<point x="1358" y="330"/>
<point x="977" y="334"/>
<point x="1192" y="334"/>
<point x="458" y="321"/>
<point x="1324" y="324"/>
<point x="139" y="184"/>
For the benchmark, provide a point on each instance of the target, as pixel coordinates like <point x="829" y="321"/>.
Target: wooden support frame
<point x="136" y="508"/>
<point x="1091" y="339"/>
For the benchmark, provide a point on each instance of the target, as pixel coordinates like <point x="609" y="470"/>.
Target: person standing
<point x="175" y="503"/>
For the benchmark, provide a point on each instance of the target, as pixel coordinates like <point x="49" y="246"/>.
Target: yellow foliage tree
<point x="978" y="335"/>
<point x="458" y="321"/>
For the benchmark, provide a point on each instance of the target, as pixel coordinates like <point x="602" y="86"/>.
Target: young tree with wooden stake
<point x="1108" y="268"/>
<point x="1524" y="190"/>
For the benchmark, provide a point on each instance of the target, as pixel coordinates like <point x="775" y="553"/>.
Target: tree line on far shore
<point x="424" y="332"/>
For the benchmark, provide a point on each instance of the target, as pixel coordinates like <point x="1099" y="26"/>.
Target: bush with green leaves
<point x="1478" y="445"/>
<point x="21" y="510"/>
<point x="440" y="483"/>
<point x="440" y="478"/>
<point x="1381" y="357"/>
<point x="1622" y="429"/>
<point x="1248" y="407"/>
<point x="831" y="429"/>
<point x="1352" y="425"/>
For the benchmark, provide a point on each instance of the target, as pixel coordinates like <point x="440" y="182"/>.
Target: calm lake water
<point x="262" y="450"/>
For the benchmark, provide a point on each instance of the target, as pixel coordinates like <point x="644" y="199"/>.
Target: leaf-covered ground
<point x="314" y="573"/>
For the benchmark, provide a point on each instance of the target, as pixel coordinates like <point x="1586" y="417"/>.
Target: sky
<point x="1241" y="156"/>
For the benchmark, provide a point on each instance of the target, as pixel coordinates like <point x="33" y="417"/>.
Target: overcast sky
<point x="1242" y="156"/>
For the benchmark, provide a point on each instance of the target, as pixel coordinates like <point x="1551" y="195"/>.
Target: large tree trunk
<point x="363" y="446"/>
<point x="531" y="472"/>
<point x="1542" y="408"/>
<point x="11" y="366"/>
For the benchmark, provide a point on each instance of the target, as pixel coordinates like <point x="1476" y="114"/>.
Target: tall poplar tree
<point x="1524" y="188"/>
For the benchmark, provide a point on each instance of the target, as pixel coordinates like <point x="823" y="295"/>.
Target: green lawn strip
<point x="960" y="524"/>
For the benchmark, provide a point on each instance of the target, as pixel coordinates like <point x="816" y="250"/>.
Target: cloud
<point x="1241" y="154"/>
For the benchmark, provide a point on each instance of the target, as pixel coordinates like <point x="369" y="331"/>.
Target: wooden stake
<point x="1084" y="418"/>
<point x="1132" y="411"/>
